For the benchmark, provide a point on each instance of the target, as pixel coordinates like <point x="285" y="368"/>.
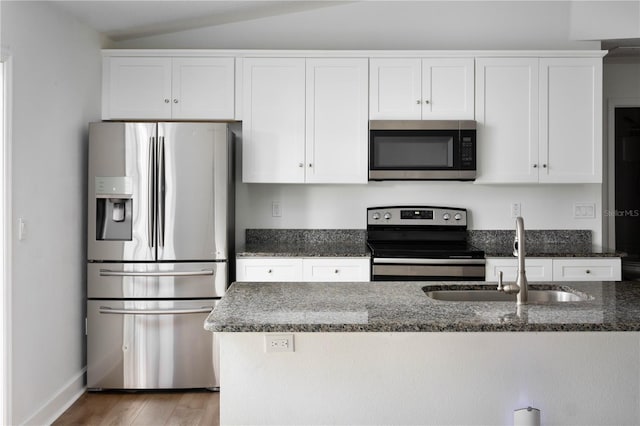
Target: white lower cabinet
<point x="302" y="269"/>
<point x="587" y="269"/>
<point x="538" y="269"/>
<point x="557" y="269"/>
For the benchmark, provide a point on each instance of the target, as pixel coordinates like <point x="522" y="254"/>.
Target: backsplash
<point x="306" y="236"/>
<point x="540" y="241"/>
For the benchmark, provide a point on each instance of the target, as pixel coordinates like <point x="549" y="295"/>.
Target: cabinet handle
<point x="269" y="271"/>
<point x="310" y="165"/>
<point x="544" y="166"/>
<point x="426" y="102"/>
<point x="337" y="271"/>
<point x="166" y="101"/>
<point x="535" y="166"/>
<point x="175" y="101"/>
<point x="300" y="165"/>
<point x="418" y="101"/>
<point x="588" y="271"/>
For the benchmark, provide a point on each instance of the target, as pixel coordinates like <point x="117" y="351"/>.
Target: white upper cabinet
<point x="273" y="127"/>
<point x="168" y="88"/>
<point x="337" y="122"/>
<point x="305" y="120"/>
<point x="415" y="89"/>
<point x="539" y="120"/>
<point x="571" y="120"/>
<point x="507" y="119"/>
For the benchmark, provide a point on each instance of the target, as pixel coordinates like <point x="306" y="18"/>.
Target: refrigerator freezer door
<point x="193" y="179"/>
<point x="121" y="191"/>
<point x="156" y="280"/>
<point x="150" y="345"/>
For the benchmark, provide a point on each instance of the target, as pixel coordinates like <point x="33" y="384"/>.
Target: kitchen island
<point x="386" y="353"/>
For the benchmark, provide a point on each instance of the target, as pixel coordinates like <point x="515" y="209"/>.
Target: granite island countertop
<point x="404" y="307"/>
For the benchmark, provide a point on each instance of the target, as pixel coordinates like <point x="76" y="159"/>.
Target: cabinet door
<point x="507" y="119"/>
<point x="537" y="269"/>
<point x="587" y="269"/>
<point x="269" y="269"/>
<point x="395" y="89"/>
<point x="335" y="269"/>
<point x="203" y="88"/>
<point x="571" y="120"/>
<point x="137" y="88"/>
<point x="447" y="88"/>
<point x="336" y="120"/>
<point x="273" y="128"/>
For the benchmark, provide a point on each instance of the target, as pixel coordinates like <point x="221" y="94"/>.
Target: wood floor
<point x="154" y="408"/>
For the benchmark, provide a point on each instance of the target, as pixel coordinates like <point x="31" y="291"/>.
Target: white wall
<point x="574" y="378"/>
<point x="391" y="25"/>
<point x="344" y="206"/>
<point x="56" y="92"/>
<point x="613" y="20"/>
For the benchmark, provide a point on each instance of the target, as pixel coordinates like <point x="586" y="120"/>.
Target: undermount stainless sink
<point x="535" y="296"/>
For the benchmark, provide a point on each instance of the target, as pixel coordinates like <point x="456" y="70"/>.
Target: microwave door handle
<point x="108" y="310"/>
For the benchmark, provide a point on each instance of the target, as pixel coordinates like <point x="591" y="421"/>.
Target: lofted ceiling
<point x="124" y="19"/>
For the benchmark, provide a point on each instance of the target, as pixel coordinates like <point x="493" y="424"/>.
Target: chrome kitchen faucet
<point x="520" y="286"/>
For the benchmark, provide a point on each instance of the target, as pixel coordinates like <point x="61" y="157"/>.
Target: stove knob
<point x="457" y="216"/>
<point x="446" y="216"/>
<point x="376" y="216"/>
<point x="387" y="216"/>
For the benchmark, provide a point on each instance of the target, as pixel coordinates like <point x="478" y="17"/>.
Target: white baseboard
<point x="58" y="403"/>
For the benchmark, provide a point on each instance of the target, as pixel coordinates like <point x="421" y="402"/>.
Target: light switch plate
<point x="584" y="210"/>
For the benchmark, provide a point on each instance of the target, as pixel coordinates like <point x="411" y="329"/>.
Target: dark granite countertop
<point x="551" y="250"/>
<point x="304" y="243"/>
<point x="404" y="307"/>
<point x="304" y="250"/>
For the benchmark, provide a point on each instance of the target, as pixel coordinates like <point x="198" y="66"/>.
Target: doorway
<point x="627" y="188"/>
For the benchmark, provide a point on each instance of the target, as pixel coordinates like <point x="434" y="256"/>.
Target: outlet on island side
<point x="276" y="209"/>
<point x="278" y="343"/>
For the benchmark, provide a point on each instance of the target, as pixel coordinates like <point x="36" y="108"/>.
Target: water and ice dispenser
<point x="114" y="208"/>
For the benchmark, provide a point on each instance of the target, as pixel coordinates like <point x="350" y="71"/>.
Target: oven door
<point x="392" y="269"/>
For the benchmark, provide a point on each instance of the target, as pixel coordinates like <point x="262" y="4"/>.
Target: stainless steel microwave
<point x="422" y="150"/>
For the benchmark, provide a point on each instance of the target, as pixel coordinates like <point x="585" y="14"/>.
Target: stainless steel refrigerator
<point x="160" y="243"/>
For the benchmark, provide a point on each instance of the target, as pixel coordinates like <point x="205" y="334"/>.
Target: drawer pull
<point x="337" y="271"/>
<point x="269" y="271"/>
<point x="588" y="271"/>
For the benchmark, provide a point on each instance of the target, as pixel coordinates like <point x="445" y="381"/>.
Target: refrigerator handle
<point x="112" y="273"/>
<point x="151" y="193"/>
<point x="109" y="310"/>
<point x="161" y="191"/>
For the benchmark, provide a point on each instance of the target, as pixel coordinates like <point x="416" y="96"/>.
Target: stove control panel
<point x="416" y="215"/>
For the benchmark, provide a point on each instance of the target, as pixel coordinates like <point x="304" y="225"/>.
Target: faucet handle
<point x="500" y="287"/>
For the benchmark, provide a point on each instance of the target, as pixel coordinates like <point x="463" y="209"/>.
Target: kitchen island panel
<point x="574" y="378"/>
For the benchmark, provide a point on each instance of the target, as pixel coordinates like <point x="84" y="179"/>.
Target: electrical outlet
<point x="515" y="210"/>
<point x="276" y="209"/>
<point x="278" y="343"/>
<point x="584" y="211"/>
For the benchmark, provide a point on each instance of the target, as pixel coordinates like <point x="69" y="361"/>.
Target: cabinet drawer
<point x="587" y="269"/>
<point x="336" y="269"/>
<point x="537" y="269"/>
<point x="269" y="269"/>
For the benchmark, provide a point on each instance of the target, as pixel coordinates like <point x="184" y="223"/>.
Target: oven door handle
<point x="449" y="261"/>
<point x="108" y="310"/>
